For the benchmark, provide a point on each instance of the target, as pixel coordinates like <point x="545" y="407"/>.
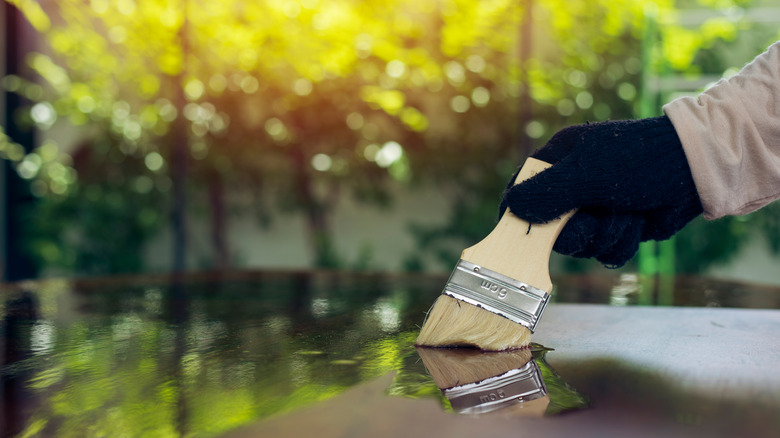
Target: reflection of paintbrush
<point x="507" y="382"/>
<point x="497" y="292"/>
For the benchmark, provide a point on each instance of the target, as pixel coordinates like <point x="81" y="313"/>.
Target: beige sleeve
<point x="731" y="137"/>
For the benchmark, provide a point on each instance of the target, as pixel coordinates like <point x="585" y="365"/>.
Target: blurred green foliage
<point x="301" y="102"/>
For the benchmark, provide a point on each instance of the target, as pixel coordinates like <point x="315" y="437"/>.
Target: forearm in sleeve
<point x="731" y="137"/>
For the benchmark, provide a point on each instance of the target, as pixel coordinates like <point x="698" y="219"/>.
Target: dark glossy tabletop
<point x="296" y="353"/>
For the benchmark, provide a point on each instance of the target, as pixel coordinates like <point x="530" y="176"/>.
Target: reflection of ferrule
<point x="516" y="386"/>
<point x="497" y="293"/>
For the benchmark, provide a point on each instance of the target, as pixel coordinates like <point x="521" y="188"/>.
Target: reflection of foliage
<point x="201" y="359"/>
<point x="414" y="381"/>
<point x="563" y="398"/>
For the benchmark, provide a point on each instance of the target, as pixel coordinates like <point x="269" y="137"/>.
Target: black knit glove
<point x="630" y="181"/>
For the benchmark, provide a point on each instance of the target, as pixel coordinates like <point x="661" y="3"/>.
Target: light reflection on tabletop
<point x="206" y="354"/>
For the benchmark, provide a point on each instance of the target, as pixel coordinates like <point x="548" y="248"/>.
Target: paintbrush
<point x="500" y="287"/>
<point x="475" y="382"/>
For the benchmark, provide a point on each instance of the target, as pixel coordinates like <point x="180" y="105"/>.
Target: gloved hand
<point x="630" y="181"/>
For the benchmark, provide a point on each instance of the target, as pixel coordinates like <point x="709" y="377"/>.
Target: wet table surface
<point x="281" y="354"/>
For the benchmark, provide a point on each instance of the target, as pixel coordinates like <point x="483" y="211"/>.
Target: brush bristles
<point x="455" y="367"/>
<point x="452" y="322"/>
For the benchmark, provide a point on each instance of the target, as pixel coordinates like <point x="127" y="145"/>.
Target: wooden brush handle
<point x="511" y="249"/>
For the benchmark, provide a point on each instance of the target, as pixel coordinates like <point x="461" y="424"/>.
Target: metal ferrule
<point x="516" y="386"/>
<point x="497" y="293"/>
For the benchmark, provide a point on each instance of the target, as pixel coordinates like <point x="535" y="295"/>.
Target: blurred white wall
<point x="385" y="235"/>
<point x="358" y="231"/>
<point x="753" y="264"/>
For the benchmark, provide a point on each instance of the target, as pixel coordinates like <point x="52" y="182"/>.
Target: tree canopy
<point x="300" y="101"/>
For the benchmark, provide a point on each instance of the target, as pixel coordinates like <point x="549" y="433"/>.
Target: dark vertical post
<point x="179" y="160"/>
<point x="217" y="205"/>
<point x="16" y="194"/>
<point x="3" y="124"/>
<point x="20" y="316"/>
<point x="179" y="304"/>
<point x="525" y="111"/>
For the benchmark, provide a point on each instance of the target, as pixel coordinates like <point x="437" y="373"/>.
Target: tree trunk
<point x="15" y="196"/>
<point x="316" y="213"/>
<point x="179" y="162"/>
<point x="218" y="223"/>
